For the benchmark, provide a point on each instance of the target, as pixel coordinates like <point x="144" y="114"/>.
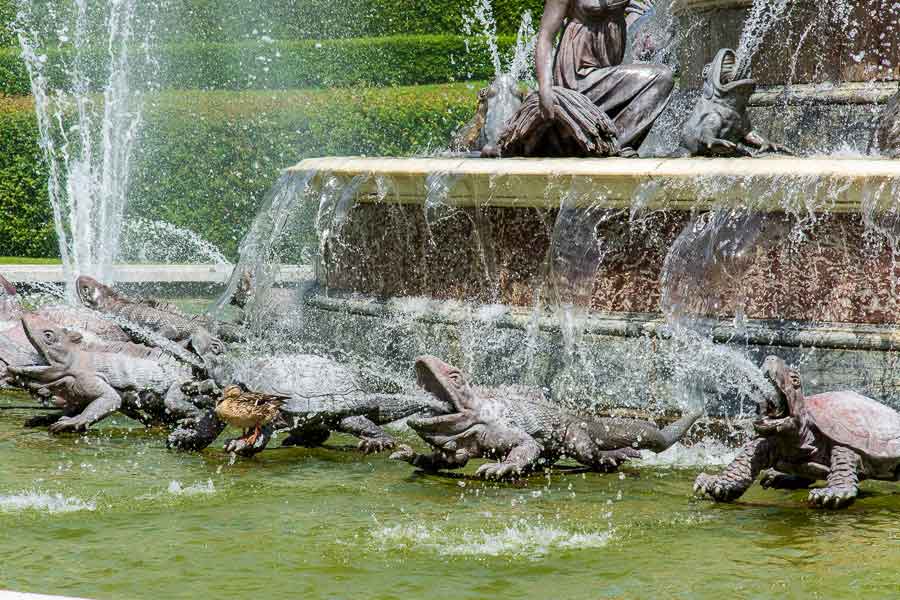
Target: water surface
<point x="113" y="514"/>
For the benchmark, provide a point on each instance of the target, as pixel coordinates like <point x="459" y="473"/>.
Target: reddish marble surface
<point x="832" y="270"/>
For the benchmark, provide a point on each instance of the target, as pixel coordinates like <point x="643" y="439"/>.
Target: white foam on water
<point x="177" y="489"/>
<point x="43" y="502"/>
<point x="521" y="540"/>
<point x="701" y="454"/>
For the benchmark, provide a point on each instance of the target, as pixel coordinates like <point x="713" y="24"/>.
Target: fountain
<point x="570" y="290"/>
<point x="87" y="142"/>
<point x="597" y="265"/>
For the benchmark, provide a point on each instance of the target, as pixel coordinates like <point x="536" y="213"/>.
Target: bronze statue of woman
<point x="588" y="60"/>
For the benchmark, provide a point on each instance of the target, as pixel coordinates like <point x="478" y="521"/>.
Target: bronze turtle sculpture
<point x="840" y="437"/>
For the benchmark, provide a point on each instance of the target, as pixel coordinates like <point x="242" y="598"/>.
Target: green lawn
<point x="17" y="260"/>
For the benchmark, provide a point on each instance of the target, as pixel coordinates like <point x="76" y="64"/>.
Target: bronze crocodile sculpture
<point x="521" y="428"/>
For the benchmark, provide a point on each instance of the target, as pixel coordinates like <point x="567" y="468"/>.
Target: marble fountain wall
<point x="464" y="273"/>
<point x="823" y="69"/>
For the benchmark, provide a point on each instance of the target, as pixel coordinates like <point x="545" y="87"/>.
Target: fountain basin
<point x="464" y="273"/>
<point x="771" y="183"/>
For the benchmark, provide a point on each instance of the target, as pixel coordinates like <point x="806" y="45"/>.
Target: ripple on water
<point x="43" y="502"/>
<point x="520" y="540"/>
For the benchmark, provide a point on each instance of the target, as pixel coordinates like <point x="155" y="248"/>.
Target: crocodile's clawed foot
<point x="403" y="453"/>
<point x="369" y="445"/>
<point x="613" y="459"/>
<point x="501" y="470"/>
<point x="833" y="496"/>
<point x="720" y="490"/>
<point x="66" y="424"/>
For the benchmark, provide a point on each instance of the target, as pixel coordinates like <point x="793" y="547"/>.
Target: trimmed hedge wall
<point x="26" y="227"/>
<point x="207" y="158"/>
<point x="234" y="20"/>
<point x="381" y="61"/>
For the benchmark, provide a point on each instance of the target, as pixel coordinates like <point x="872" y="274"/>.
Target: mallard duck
<point x="248" y="410"/>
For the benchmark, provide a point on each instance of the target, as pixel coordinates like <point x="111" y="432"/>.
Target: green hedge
<point x="207" y="158"/>
<point x="382" y="61"/>
<point x="234" y="20"/>
<point x="26" y="228"/>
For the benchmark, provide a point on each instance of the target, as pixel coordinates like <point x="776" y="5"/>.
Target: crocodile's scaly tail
<point x="676" y="430"/>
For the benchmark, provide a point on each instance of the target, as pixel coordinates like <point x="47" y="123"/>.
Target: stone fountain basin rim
<point x="822" y="184"/>
<point x="835" y="336"/>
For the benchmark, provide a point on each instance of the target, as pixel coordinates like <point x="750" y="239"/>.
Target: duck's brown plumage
<point x="246" y="409"/>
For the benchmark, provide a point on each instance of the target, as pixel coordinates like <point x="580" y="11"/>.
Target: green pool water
<point x="113" y="514"/>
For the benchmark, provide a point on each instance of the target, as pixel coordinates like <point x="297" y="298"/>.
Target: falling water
<point x="763" y="15"/>
<point x="505" y="96"/>
<point x="87" y="142"/>
<point x="281" y="233"/>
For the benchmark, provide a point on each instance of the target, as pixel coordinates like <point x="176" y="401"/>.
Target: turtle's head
<point x="92" y="293"/>
<point x="444" y="381"/>
<point x="53" y="343"/>
<point x="786" y="400"/>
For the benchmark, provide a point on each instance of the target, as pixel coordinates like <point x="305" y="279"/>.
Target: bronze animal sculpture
<point x="841" y="437"/>
<point x="164" y="319"/>
<point x="496" y="104"/>
<point x="521" y="428"/>
<point x="89" y="385"/>
<point x="316" y="396"/>
<point x="719" y="124"/>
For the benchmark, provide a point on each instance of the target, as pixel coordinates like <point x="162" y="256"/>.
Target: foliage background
<point x="246" y="88"/>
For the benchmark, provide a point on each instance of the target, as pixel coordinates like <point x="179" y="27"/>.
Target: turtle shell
<point x="310" y="383"/>
<point x="860" y="423"/>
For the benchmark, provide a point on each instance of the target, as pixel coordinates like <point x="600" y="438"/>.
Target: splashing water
<point x="43" y="502"/>
<point x="87" y="145"/>
<point x="144" y="240"/>
<point x="520" y="540"/>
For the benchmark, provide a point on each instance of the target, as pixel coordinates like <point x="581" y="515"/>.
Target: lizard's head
<point x="787" y="399"/>
<point x="92" y="293"/>
<point x="53" y="343"/>
<point x="444" y="381"/>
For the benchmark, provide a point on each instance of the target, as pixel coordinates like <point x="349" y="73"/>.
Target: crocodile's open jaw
<point x="445" y="381"/>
